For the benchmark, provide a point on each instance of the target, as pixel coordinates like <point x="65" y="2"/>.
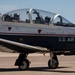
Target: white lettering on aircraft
<point x="66" y="39"/>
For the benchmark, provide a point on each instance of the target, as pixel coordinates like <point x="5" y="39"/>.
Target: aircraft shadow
<point x="39" y="69"/>
<point x="46" y="69"/>
<point x="8" y="69"/>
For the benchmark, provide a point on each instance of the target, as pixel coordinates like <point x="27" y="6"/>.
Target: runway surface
<point x="38" y="65"/>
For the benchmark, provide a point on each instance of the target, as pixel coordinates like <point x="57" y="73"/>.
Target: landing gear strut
<point x="22" y="62"/>
<point x="53" y="62"/>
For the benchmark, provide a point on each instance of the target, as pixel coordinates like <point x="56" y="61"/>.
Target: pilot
<point x="39" y="19"/>
<point x="16" y="17"/>
<point x="47" y="20"/>
<point x="6" y="17"/>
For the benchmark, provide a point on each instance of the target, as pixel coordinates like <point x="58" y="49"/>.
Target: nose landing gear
<point x="53" y="62"/>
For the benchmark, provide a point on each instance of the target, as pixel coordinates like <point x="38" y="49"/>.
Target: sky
<point x="64" y="7"/>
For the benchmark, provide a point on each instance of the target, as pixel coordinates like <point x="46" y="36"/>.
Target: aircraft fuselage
<point x="52" y="37"/>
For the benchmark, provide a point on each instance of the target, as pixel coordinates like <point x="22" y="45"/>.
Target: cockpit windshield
<point x="35" y="16"/>
<point x="60" y="21"/>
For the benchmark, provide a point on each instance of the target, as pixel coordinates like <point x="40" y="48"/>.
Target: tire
<point x="53" y="65"/>
<point x="24" y="65"/>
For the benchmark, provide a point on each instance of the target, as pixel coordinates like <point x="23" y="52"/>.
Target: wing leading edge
<point x="28" y="47"/>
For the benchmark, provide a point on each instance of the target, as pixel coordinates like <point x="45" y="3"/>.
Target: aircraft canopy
<point x="34" y="16"/>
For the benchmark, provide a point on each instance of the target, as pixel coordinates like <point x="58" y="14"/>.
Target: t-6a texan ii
<point x="28" y="31"/>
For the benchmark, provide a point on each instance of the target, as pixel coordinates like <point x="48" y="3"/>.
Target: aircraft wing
<point x="22" y="47"/>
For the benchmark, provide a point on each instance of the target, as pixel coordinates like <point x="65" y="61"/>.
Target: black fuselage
<point x="54" y="43"/>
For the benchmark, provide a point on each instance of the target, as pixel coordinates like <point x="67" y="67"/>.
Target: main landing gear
<point x="53" y="62"/>
<point x="22" y="62"/>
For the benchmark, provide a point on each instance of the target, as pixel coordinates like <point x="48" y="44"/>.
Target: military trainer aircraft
<point x="32" y="30"/>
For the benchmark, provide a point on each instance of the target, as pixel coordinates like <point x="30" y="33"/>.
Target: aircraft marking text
<point x="64" y="39"/>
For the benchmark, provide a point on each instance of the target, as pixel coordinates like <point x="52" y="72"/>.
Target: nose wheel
<point x="53" y="62"/>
